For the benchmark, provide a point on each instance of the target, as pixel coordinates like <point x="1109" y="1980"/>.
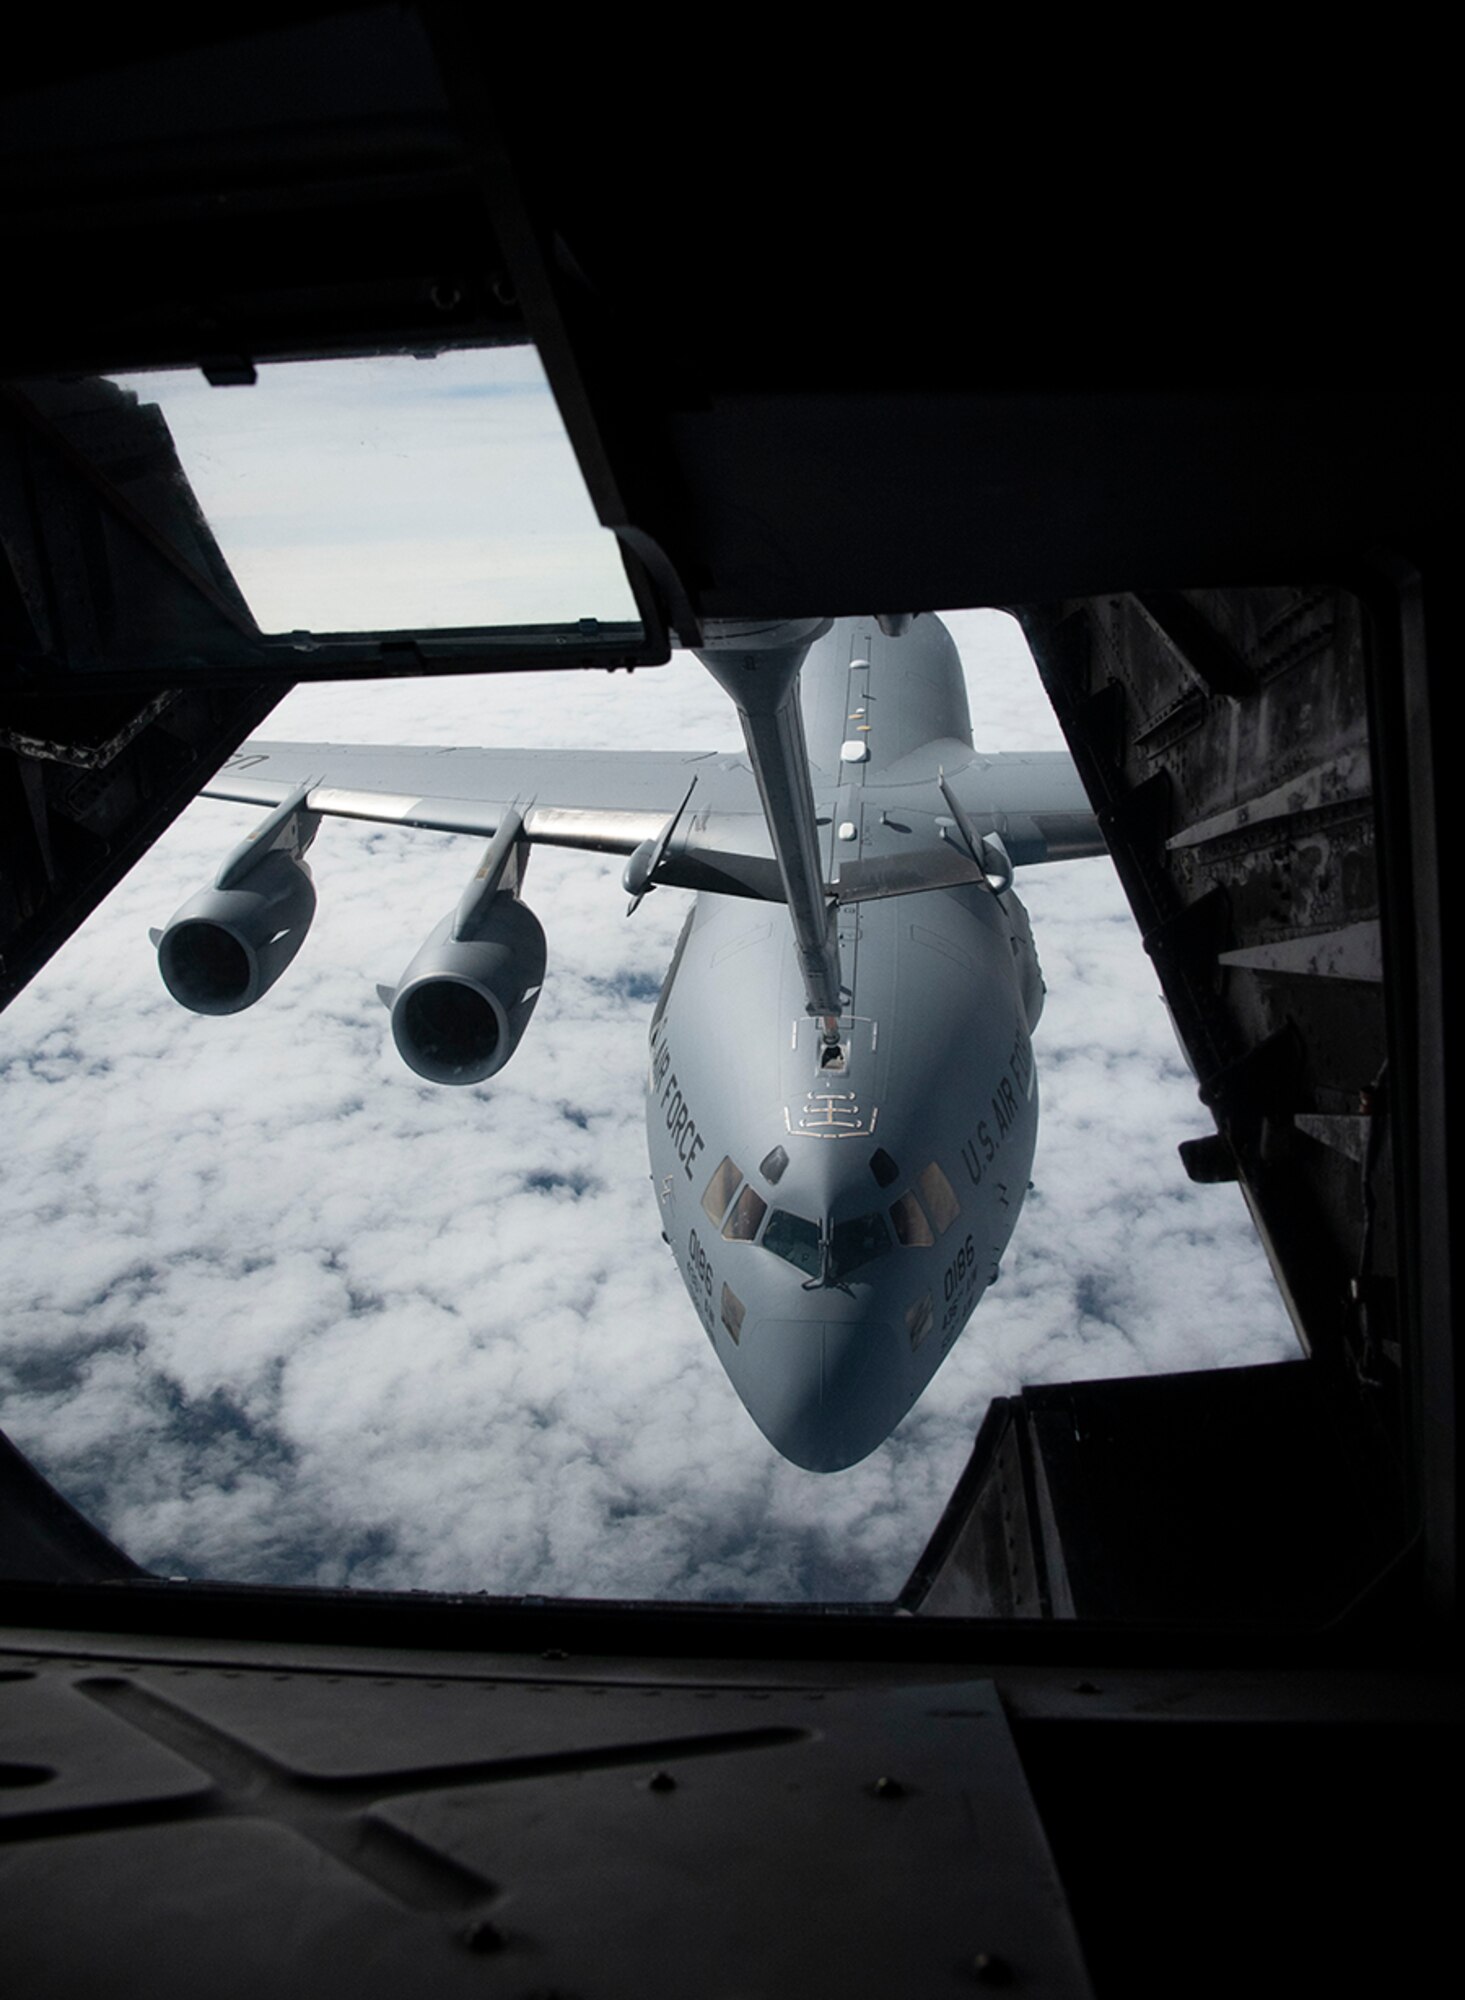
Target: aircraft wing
<point x="614" y="801"/>
<point x="607" y="800"/>
<point x="1034" y="799"/>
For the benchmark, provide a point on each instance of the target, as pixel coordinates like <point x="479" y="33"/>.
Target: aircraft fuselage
<point x="837" y="1213"/>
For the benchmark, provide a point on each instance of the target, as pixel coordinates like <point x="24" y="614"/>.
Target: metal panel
<point x="243" y="1830"/>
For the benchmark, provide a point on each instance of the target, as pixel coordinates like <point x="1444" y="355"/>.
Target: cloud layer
<point x="280" y="1311"/>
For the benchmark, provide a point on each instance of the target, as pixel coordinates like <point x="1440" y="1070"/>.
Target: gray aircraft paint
<point x="934" y="1073"/>
<point x="941" y="991"/>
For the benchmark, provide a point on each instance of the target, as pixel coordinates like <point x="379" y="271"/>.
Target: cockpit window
<point x="733" y="1310"/>
<point x="883" y="1167"/>
<point x="773" y="1166"/>
<point x="941" y="1204"/>
<point x="748" y="1211"/>
<point x="918" y="1319"/>
<point x="858" y="1242"/>
<point x="721" y="1189"/>
<point x="912" y="1230"/>
<point x="795" y="1239"/>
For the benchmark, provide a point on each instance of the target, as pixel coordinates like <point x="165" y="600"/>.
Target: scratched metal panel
<point x="237" y="1831"/>
<point x="1224" y="736"/>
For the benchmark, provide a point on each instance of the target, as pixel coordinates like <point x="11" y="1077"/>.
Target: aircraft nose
<point x="824" y="1392"/>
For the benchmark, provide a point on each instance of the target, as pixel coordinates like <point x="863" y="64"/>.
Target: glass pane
<point x="859" y="1242"/>
<point x="918" y="1319"/>
<point x="941" y="1204"/>
<point x="391" y="493"/>
<point x="794" y="1239"/>
<point x="742" y="1224"/>
<point x="721" y="1189"/>
<point x="911" y="1226"/>
<point x="732" y="1313"/>
<point x="773" y="1166"/>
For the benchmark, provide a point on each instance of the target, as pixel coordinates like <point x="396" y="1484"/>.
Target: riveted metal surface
<point x="237" y="1830"/>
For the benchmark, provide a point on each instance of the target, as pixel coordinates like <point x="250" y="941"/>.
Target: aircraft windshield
<point x="856" y="1243"/>
<point x="851" y="1244"/>
<point x="795" y="1239"/>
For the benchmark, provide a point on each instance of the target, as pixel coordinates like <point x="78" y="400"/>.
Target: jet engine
<point x="464" y="1002"/>
<point x="228" y="945"/>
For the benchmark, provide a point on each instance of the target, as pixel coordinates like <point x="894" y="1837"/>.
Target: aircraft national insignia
<point x="831" y="1114"/>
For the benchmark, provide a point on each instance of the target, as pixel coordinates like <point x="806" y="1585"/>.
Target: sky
<point x="392" y="491"/>
<point x="282" y="1312"/>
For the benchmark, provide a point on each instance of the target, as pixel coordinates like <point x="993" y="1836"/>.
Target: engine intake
<point x="226" y="947"/>
<point x="463" y="1004"/>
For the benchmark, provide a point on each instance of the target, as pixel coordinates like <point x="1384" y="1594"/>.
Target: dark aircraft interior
<point x="1164" y="363"/>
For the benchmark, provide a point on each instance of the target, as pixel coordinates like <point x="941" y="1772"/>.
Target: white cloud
<point x="390" y="491"/>
<point x="280" y="1310"/>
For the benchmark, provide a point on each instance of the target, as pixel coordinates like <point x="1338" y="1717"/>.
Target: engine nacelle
<point x="463" y="1003"/>
<point x="226" y="947"/>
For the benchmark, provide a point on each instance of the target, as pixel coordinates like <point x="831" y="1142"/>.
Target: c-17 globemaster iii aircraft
<point x="841" y="1102"/>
